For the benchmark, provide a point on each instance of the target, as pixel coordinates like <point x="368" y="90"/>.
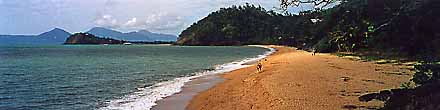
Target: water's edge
<point x="176" y="94"/>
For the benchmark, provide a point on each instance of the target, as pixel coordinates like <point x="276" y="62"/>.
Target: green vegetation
<point x="372" y="29"/>
<point x="407" y="28"/>
<point x="85" y="38"/>
<point x="425" y="96"/>
<point x="240" y="25"/>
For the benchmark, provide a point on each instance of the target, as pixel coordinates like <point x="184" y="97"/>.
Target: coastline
<point x="200" y="83"/>
<point x="293" y="79"/>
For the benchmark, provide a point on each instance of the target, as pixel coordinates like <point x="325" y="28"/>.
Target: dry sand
<point x="296" y="80"/>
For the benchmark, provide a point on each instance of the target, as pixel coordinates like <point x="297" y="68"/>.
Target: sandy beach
<point x="296" y="80"/>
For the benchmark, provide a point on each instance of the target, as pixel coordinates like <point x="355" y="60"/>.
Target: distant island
<point x="54" y="36"/>
<point x="134" y="36"/>
<point x="59" y="36"/>
<point x="85" y="38"/>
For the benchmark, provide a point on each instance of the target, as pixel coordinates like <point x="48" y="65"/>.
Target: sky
<point x="28" y="17"/>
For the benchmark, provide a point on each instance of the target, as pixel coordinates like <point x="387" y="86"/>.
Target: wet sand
<point x="296" y="80"/>
<point x="180" y="100"/>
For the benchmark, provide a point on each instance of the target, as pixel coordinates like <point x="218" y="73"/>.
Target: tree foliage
<point x="410" y="27"/>
<point x="405" y="27"/>
<point x="317" y="4"/>
<point x="425" y="96"/>
<point x="240" y="25"/>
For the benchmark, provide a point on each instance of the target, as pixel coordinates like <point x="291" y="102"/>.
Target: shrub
<point x="425" y="96"/>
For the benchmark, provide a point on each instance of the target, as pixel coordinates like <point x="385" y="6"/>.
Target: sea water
<point x="84" y="77"/>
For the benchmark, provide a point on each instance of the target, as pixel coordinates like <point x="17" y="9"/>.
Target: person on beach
<point x="259" y="67"/>
<point x="314" y="52"/>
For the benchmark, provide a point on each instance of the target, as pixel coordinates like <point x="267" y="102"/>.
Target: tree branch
<point x="318" y="4"/>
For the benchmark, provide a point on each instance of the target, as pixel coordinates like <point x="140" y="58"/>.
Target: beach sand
<point x="180" y="100"/>
<point x="296" y="80"/>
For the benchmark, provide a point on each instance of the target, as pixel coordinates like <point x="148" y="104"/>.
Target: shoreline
<point x="294" y="79"/>
<point x="149" y="97"/>
<point x="180" y="100"/>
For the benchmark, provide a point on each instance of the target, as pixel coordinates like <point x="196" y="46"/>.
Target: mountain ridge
<point x="59" y="36"/>
<point x="54" y="36"/>
<point x="140" y="35"/>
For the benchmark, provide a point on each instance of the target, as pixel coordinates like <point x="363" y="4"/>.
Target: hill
<point x="404" y="27"/>
<point x="54" y="36"/>
<point x="239" y="25"/>
<point x="407" y="28"/>
<point x="141" y="35"/>
<point x="85" y="38"/>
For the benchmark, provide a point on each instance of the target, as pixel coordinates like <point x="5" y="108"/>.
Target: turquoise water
<point x="80" y="77"/>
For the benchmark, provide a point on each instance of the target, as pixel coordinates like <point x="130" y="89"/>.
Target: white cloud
<point x="163" y="22"/>
<point x="160" y="22"/>
<point x="107" y="21"/>
<point x="164" y="16"/>
<point x="154" y="18"/>
<point x="132" y="22"/>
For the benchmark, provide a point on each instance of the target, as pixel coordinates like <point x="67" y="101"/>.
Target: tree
<point x="317" y="4"/>
<point x="241" y="25"/>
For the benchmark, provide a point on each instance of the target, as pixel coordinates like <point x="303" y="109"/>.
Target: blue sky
<point x="164" y="16"/>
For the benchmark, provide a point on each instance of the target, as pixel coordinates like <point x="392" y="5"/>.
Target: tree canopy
<point x="404" y="27"/>
<point x="240" y="25"/>
<point x="317" y="4"/>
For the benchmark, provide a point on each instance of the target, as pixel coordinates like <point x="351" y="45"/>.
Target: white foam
<point x="146" y="97"/>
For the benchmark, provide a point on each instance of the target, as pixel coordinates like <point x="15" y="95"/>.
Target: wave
<point x="146" y="97"/>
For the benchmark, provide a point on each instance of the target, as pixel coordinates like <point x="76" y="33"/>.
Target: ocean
<point x="87" y="77"/>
